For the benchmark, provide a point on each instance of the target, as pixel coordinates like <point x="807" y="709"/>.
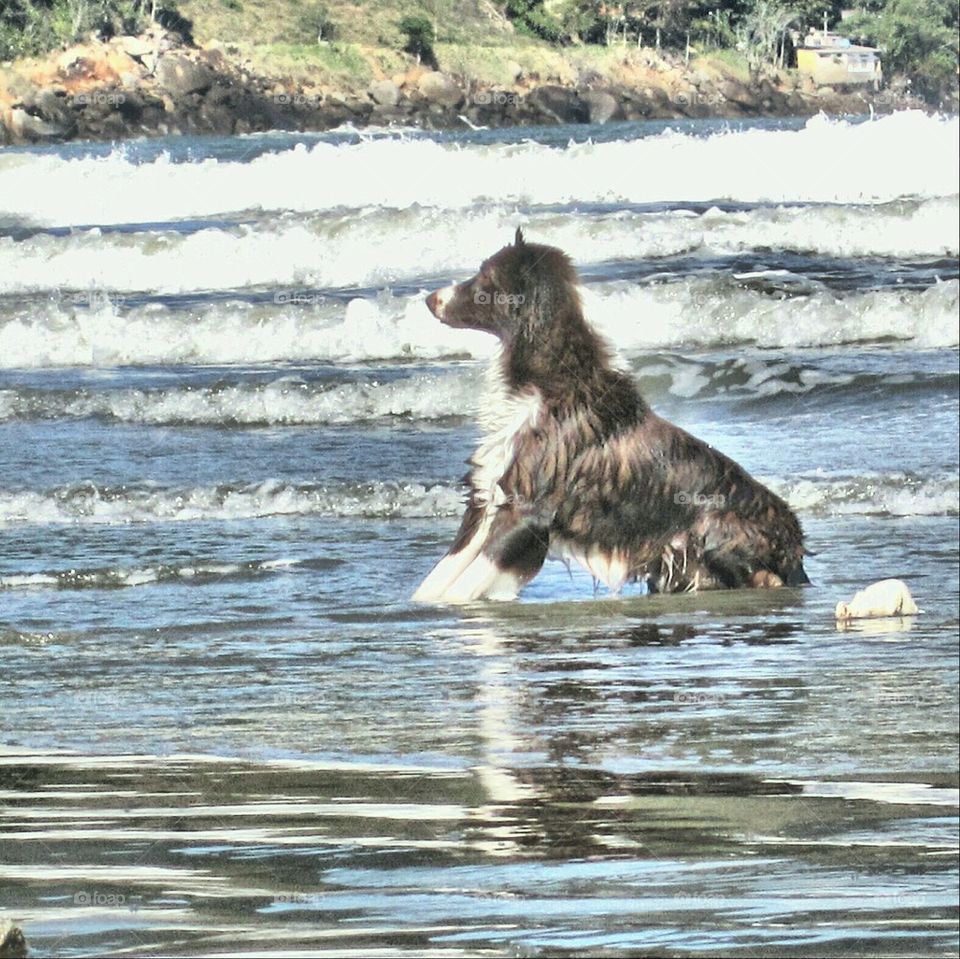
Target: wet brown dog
<point x="575" y="463"/>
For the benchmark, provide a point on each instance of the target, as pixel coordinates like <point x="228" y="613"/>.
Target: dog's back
<point x="580" y="466"/>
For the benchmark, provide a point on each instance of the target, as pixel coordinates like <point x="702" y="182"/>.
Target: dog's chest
<point x="505" y="417"/>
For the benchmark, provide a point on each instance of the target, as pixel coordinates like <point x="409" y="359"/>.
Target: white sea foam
<point x="126" y="576"/>
<point x="383" y="328"/>
<point x="286" y="400"/>
<point x="753" y="165"/>
<point x="451" y="394"/>
<point x="87" y="503"/>
<point x="381" y="247"/>
<point x="691" y="312"/>
<point x="894" y="494"/>
<point x="886" y="494"/>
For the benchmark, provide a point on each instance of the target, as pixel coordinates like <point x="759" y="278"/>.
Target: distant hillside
<point x="359" y="40"/>
<point x="238" y="66"/>
<point x="372" y="22"/>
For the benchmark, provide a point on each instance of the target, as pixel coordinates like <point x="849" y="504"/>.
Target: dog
<point x="574" y="462"/>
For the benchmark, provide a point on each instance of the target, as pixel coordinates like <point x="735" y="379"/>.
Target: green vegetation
<point x="733" y="61"/>
<point x="30" y="27"/>
<point x="499" y="38"/>
<point x="532" y="19"/>
<point x="919" y="39"/>
<point x="340" y="64"/>
<point x="420" y="36"/>
<point x="316" y="21"/>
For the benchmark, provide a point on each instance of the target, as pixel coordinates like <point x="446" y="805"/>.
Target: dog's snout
<point x="439" y="300"/>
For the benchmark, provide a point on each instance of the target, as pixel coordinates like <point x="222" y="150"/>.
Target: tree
<point x="31" y="27"/>
<point x="918" y="38"/>
<point x="530" y="17"/>
<point x="317" y="24"/>
<point x="761" y="34"/>
<point x="419" y="31"/>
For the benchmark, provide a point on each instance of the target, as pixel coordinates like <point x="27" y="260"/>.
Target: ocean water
<point x="230" y="441"/>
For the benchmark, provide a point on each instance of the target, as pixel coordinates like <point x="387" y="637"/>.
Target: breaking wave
<point x="691" y="312"/>
<point x="895" y="494"/>
<point x="376" y="247"/>
<point x="751" y="165"/>
<point x="452" y="395"/>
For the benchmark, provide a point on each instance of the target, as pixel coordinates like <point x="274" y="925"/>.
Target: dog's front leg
<point x="514" y="547"/>
<point x="507" y="549"/>
<point x="465" y="549"/>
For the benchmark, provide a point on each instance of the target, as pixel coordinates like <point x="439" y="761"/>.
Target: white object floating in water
<point x="889" y="597"/>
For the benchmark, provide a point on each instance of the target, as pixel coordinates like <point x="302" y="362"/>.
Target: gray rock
<point x="559" y="104"/>
<point x="385" y="114"/>
<point x="737" y="93"/>
<point x="440" y="88"/>
<point x="214" y="59"/>
<point x="385" y="93"/>
<point x="180" y="76"/>
<point x="359" y="107"/>
<point x="602" y="106"/>
<point x="217" y="118"/>
<point x="130" y="81"/>
<point x="219" y="94"/>
<point x="136" y="47"/>
<point x="30" y="129"/>
<point x="331" y="113"/>
<point x="52" y="103"/>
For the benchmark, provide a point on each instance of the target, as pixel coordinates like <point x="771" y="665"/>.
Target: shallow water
<point x="230" y="435"/>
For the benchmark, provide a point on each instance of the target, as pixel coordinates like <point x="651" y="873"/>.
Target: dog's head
<point x="523" y="289"/>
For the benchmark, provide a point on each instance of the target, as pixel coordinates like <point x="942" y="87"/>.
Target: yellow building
<point x="833" y="60"/>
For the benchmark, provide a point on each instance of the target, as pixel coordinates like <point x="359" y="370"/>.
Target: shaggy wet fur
<point x="577" y="464"/>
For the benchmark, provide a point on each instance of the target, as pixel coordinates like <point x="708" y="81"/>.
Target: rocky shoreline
<point x="156" y="84"/>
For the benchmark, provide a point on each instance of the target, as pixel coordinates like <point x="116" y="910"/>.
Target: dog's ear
<point x="518" y="238"/>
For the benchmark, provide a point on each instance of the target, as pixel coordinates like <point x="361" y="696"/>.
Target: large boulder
<point x="559" y="104"/>
<point x="56" y="107"/>
<point x="331" y="112"/>
<point x="217" y="112"/>
<point x="136" y="47"/>
<point x="602" y="106"/>
<point x="440" y="88"/>
<point x="27" y="128"/>
<point x="385" y="93"/>
<point x="735" y="92"/>
<point x="180" y="75"/>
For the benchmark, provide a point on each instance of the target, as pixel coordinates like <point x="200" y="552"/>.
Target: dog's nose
<point x="433" y="302"/>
